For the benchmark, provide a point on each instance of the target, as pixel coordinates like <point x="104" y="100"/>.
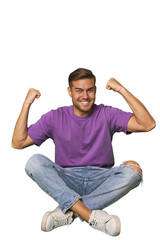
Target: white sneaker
<point x="104" y="222"/>
<point x="56" y="218"/>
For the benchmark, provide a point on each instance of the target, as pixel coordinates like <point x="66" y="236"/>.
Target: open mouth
<point x="85" y="103"/>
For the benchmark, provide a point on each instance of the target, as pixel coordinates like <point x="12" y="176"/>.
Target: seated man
<point x="83" y="180"/>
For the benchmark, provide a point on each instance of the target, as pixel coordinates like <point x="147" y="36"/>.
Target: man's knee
<point x="136" y="167"/>
<point x="32" y="163"/>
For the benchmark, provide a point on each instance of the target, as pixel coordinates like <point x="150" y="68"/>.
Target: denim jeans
<point x="96" y="187"/>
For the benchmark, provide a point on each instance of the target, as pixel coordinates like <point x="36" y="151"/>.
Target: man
<point x="83" y="180"/>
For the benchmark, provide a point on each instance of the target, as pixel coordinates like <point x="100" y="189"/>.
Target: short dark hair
<point x="80" y="73"/>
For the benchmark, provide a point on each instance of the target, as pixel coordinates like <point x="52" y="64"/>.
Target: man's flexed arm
<point x="20" y="137"/>
<point x="141" y="121"/>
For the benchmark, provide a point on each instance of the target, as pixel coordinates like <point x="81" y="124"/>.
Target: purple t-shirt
<point x="81" y="141"/>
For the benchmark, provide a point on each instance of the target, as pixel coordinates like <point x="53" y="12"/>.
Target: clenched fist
<point x="32" y="95"/>
<point x="114" y="85"/>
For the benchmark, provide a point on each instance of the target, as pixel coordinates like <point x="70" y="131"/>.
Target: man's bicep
<point x="28" y="142"/>
<point x="133" y="125"/>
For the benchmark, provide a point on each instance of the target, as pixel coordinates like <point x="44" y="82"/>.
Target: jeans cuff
<point x="66" y="208"/>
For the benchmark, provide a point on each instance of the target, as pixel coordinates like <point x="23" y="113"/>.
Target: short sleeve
<point x="117" y="119"/>
<point x="41" y="130"/>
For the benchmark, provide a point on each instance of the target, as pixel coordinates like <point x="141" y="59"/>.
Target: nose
<point x="85" y="95"/>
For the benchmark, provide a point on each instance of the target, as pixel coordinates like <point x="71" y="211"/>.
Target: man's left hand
<point x="114" y="85"/>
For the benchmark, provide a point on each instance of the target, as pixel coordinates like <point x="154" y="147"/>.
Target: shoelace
<point x="99" y="224"/>
<point x="63" y="221"/>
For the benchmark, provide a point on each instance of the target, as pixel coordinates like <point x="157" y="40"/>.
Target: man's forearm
<point x="20" y="131"/>
<point x="141" y="114"/>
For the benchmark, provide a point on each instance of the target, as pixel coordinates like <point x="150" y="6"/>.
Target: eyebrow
<point x="90" y="88"/>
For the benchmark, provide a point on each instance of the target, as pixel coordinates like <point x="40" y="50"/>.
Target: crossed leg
<point x="80" y="208"/>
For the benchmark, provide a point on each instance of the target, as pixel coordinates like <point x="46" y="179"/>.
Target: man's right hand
<point x="31" y="96"/>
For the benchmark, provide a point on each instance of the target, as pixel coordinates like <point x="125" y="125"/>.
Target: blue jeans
<point x="96" y="187"/>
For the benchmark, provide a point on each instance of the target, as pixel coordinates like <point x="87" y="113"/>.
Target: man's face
<point x="83" y="93"/>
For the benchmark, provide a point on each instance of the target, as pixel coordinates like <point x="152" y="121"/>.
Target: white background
<point x="41" y="42"/>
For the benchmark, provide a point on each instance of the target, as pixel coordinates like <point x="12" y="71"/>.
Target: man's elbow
<point x="16" y="146"/>
<point x="151" y="126"/>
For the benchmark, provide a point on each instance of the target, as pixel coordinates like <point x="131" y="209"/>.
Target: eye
<point x="79" y="90"/>
<point x="90" y="90"/>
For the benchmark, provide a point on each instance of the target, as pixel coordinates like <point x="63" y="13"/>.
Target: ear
<point x="69" y="91"/>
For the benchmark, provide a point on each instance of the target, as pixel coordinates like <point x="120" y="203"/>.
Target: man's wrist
<point x="26" y="104"/>
<point x="122" y="90"/>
